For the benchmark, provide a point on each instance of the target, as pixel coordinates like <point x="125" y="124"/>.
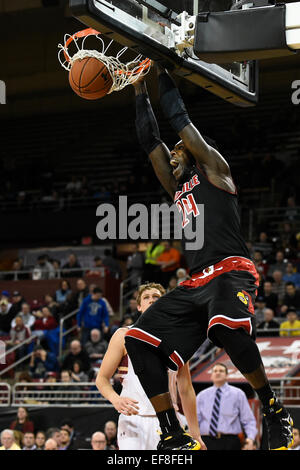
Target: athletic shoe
<point x="279" y="425"/>
<point x="178" y="441"/>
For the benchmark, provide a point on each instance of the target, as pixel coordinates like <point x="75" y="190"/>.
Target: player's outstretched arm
<point x="110" y="363"/>
<point x="149" y="138"/>
<point x="173" y="107"/>
<point x="188" y="401"/>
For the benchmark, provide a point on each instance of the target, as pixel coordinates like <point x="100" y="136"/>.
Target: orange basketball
<point x="90" y="78"/>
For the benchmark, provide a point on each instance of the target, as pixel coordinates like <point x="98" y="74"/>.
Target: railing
<point x="63" y="333"/>
<point x="15" y="348"/>
<point x="273" y="217"/>
<point x="65" y="202"/>
<point x="288" y="391"/>
<point x="57" y="394"/>
<point x="5" y="394"/>
<point x="56" y="274"/>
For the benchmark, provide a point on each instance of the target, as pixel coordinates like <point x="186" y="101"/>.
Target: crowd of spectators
<point x="51" y="268"/>
<point x="22" y="434"/>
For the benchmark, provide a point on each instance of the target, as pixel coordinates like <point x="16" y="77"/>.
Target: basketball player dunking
<point x="138" y="426"/>
<point x="218" y="299"/>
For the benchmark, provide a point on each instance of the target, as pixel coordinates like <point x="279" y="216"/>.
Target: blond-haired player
<point x="138" y="427"/>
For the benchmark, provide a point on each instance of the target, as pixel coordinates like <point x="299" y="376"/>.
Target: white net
<point x="122" y="73"/>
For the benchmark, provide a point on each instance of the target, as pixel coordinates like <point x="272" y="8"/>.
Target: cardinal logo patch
<point x="243" y="298"/>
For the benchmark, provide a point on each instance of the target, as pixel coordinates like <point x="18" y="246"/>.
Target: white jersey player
<point x="138" y="426"/>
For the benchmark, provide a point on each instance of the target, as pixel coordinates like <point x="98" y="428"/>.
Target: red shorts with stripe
<point x="179" y="322"/>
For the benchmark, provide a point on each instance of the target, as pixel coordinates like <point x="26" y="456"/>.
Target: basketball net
<point x="122" y="73"/>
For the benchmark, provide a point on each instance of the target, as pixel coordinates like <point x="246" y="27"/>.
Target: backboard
<point x="165" y="36"/>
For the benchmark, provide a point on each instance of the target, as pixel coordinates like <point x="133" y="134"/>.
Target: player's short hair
<point x="147" y="286"/>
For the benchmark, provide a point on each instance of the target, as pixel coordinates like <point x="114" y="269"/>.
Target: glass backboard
<point x="158" y="32"/>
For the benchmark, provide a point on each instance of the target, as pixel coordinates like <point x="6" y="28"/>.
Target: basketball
<point x="90" y="78"/>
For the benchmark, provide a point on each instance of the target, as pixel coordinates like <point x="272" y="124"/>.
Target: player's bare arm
<point x="112" y="358"/>
<point x="148" y="134"/>
<point x="215" y="166"/>
<point x="188" y="401"/>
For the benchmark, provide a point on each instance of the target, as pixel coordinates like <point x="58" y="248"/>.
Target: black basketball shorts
<point x="179" y="322"/>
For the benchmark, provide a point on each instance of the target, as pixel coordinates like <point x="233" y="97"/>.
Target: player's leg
<point x="232" y="326"/>
<point x="151" y="348"/>
<point x="138" y="432"/>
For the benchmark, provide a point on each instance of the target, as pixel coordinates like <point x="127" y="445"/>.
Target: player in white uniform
<point x="138" y="427"/>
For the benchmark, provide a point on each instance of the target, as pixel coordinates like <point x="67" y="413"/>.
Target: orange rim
<point x="80" y="34"/>
<point x="145" y="64"/>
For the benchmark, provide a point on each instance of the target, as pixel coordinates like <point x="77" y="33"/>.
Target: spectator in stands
<point x="40" y="440"/>
<point x="77" y="374"/>
<point x="41" y="362"/>
<point x="181" y="275"/>
<point x="108" y="306"/>
<point x="57" y="267"/>
<point x="296" y="436"/>
<point x="52" y="305"/>
<point x="98" y="268"/>
<point x="260" y="263"/>
<point x="29" y="441"/>
<point x="96" y="346"/>
<point x="63" y="292"/>
<point x="278" y="287"/>
<point x="135" y="266"/>
<point x="271" y="299"/>
<point x="126" y="321"/>
<point x="65" y="439"/>
<point x="8" y="440"/>
<point x="16" y="271"/>
<point x="18" y="334"/>
<point x="112" y="264"/>
<point x="43" y="269"/>
<point x="27" y="317"/>
<point x="151" y="269"/>
<point x="169" y="262"/>
<point x="279" y="265"/>
<point x="268" y="324"/>
<point x="72" y="267"/>
<point x="44" y="322"/>
<point x="288" y="238"/>
<point x="66" y="393"/>
<point x="22" y="422"/>
<point x="98" y="441"/>
<point x="263" y="245"/>
<point x="80" y="293"/>
<point x="291" y="213"/>
<point x="76" y="441"/>
<point x="292" y="323"/>
<point x="132" y="310"/>
<point x="53" y="433"/>
<point x="110" y="431"/>
<point x="5" y="318"/>
<point x="291" y="275"/>
<point x="260" y="308"/>
<point x="73" y="187"/>
<point x="17" y="301"/>
<point x="291" y="298"/>
<point x="92" y="314"/>
<point x="51" y="444"/>
<point x="76" y="352"/>
<point x="172" y="283"/>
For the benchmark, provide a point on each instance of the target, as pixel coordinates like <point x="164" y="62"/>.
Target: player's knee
<point x="240" y="347"/>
